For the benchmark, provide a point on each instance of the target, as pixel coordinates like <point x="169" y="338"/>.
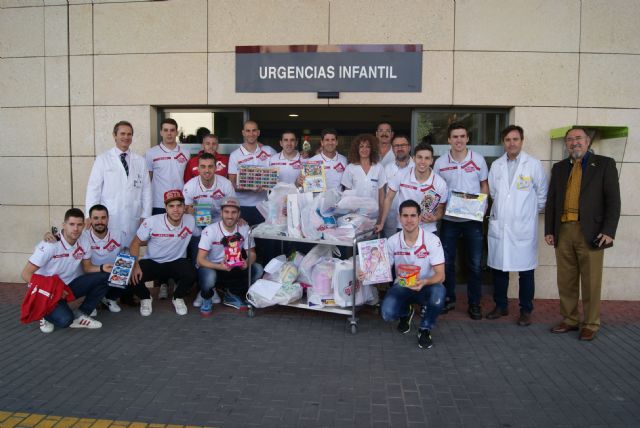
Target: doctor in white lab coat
<point x="124" y="189"/>
<point x="518" y="187"/>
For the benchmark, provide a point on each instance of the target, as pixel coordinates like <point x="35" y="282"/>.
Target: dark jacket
<point x="599" y="197"/>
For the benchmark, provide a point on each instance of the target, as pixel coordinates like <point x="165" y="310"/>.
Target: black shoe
<point x="525" y="319"/>
<point x="424" y="339"/>
<point x="449" y="306"/>
<point x="475" y="312"/>
<point x="497" y="313"/>
<point x="404" y="326"/>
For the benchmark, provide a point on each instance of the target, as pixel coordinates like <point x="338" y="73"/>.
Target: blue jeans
<point x="471" y="232"/>
<point x="398" y="298"/>
<point x="207" y="279"/>
<point x="192" y="250"/>
<point x="526" y="292"/>
<point x="91" y="286"/>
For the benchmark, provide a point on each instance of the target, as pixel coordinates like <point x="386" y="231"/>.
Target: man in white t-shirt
<point x="334" y="163"/>
<point x="223" y="257"/>
<point x="250" y="153"/>
<point x="69" y="258"/>
<point x="415" y="246"/>
<point x="166" y="163"/>
<point x="402" y="151"/>
<point x="288" y="161"/>
<point x="167" y="237"/>
<point x="418" y="183"/>
<point x="119" y="181"/>
<point x="464" y="171"/>
<point x="384" y="132"/>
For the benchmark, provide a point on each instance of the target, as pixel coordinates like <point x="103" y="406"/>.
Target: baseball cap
<point x="230" y="201"/>
<point x="173" y="195"/>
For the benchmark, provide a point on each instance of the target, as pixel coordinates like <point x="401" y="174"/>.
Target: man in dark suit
<point x="581" y="218"/>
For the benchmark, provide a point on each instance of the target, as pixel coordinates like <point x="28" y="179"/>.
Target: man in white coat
<point x="119" y="181"/>
<point x="518" y="187"/>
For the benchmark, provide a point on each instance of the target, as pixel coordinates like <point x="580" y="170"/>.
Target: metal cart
<point x="302" y="303"/>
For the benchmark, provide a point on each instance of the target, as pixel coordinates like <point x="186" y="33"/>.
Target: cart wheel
<point x="251" y="313"/>
<point x="354" y="329"/>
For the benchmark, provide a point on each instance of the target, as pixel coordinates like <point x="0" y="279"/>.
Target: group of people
<point x="134" y="201"/>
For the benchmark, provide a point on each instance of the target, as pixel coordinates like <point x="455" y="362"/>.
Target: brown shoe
<point x="497" y="313"/>
<point x="525" y="319"/>
<point x="563" y="328"/>
<point x="587" y="334"/>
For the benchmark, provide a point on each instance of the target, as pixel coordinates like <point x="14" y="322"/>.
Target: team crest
<point x="217" y="194"/>
<point x="78" y="253"/>
<point x="296" y="165"/>
<point x="111" y="245"/>
<point x="220" y="166"/>
<point x="339" y="167"/>
<point x="263" y="155"/>
<point x="421" y="252"/>
<point x="470" y="167"/>
<point x="184" y="232"/>
<point x="180" y="157"/>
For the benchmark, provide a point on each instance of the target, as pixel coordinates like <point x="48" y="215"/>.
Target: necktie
<point x="123" y="159"/>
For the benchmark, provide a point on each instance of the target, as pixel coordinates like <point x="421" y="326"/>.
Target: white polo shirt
<point x="428" y="194"/>
<point x="260" y="157"/>
<point x="333" y="169"/>
<point x="391" y="171"/>
<point x="388" y="159"/>
<point x="165" y="242"/>
<point x="105" y="250"/>
<point x="195" y="193"/>
<point x="212" y="236"/>
<point x="167" y="167"/>
<point x="60" y="258"/>
<point x="365" y="184"/>
<point x="288" y="169"/>
<point x="427" y="252"/>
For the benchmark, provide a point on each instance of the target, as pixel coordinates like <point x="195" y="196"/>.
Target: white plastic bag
<point x="295" y="203"/>
<point x="312" y="258"/>
<point x="343" y="286"/>
<point x="274" y="209"/>
<point x="287" y="293"/>
<point x="280" y="270"/>
<point x="352" y="203"/>
<point x="321" y="277"/>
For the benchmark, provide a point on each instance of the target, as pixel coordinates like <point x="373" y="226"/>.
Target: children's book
<point x="374" y="262"/>
<point x="121" y="271"/>
<point x="430" y="201"/>
<point x="251" y="177"/>
<point x="202" y="213"/>
<point x="314" y="179"/>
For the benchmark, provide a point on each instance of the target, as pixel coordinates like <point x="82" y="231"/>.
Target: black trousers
<point x="180" y="270"/>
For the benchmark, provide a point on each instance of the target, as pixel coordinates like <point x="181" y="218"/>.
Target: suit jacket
<point x="599" y="197"/>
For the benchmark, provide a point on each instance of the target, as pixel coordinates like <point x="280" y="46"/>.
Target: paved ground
<point x="289" y="367"/>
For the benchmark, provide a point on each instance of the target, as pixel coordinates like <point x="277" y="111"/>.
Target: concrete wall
<point x="70" y="72"/>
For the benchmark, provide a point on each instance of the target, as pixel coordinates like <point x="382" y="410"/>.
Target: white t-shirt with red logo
<point x="105" y="250"/>
<point x="195" y="193"/>
<point x="167" y="167"/>
<point x="60" y="258"/>
<point x="391" y="171"/>
<point x="288" y="169"/>
<point x="426" y="253"/>
<point x="333" y="169"/>
<point x="428" y="194"/>
<point x="212" y="236"/>
<point x="165" y="242"/>
<point x="260" y="157"/>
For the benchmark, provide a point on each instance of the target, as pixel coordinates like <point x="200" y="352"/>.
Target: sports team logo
<point x="470" y="167"/>
<point x="339" y="167"/>
<point x="112" y="245"/>
<point x="185" y="232"/>
<point x="220" y="166"/>
<point x="217" y="194"/>
<point x="296" y="165"/>
<point x="180" y="157"/>
<point x="421" y="252"/>
<point x="263" y="155"/>
<point x="78" y="253"/>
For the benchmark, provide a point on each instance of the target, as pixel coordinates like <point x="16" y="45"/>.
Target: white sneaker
<point x="164" y="292"/>
<point x="94" y="313"/>
<point x="112" y="305"/>
<point x="181" y="307"/>
<point x="145" y="307"/>
<point x="85" y="321"/>
<point x="46" y="326"/>
<point x="197" y="302"/>
<point x="216" y="298"/>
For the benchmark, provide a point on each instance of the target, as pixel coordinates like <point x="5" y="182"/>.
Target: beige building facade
<point x="70" y="70"/>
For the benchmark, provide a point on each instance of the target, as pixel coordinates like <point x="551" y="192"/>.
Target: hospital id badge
<point x="523" y="182"/>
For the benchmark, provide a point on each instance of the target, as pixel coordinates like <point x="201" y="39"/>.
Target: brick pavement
<point x="289" y="367"/>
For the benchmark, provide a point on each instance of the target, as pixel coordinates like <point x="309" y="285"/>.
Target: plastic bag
<point x="351" y="203"/>
<point x="280" y="270"/>
<point x="343" y="286"/>
<point x="359" y="222"/>
<point x="312" y="258"/>
<point x="321" y="277"/>
<point x="328" y="201"/>
<point x="313" y="223"/>
<point x="287" y="293"/>
<point x="274" y="209"/>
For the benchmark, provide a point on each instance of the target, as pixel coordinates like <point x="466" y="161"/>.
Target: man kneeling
<point x="415" y="246"/>
<point x="63" y="259"/>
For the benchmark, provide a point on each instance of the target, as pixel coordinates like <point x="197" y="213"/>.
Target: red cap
<point x="173" y="195"/>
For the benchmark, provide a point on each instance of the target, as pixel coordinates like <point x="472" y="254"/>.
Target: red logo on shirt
<point x="111" y="245"/>
<point x="296" y="165"/>
<point x="78" y="253"/>
<point x="470" y="167"/>
<point x="263" y="155"/>
<point x="421" y="252"/>
<point x="220" y="166"/>
<point x="184" y="232"/>
<point x="217" y="194"/>
<point x="408" y="186"/>
<point x="339" y="167"/>
<point x="181" y="158"/>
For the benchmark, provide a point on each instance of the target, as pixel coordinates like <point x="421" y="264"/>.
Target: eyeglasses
<point x="574" y="139"/>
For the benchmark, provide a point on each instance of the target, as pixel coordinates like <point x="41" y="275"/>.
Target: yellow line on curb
<point x="33" y="420"/>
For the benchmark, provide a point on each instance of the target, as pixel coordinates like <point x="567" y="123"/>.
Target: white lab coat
<point x="513" y="223"/>
<point x="128" y="199"/>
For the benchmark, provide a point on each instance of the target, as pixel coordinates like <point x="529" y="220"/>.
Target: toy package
<point x="373" y="261"/>
<point x="314" y="178"/>
<point x="470" y="206"/>
<point x="202" y="213"/>
<point x="233" y="250"/>
<point x="251" y="177"/>
<point x="121" y="272"/>
<point x="407" y="275"/>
